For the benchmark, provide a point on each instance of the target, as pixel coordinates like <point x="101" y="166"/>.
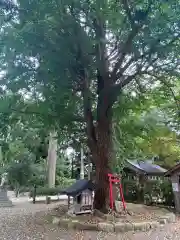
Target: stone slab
<point x="168" y="218"/>
<point x="119" y="227"/>
<point x="56" y="220"/>
<point x="141" y="226"/>
<point x="105" y="227"/>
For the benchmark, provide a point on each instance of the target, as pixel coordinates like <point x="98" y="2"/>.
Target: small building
<point x="174" y="175"/>
<point x="82" y="193"/>
<point x="141" y="173"/>
<point x="135" y="168"/>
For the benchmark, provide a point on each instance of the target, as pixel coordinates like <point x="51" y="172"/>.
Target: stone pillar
<point x="176" y="191"/>
<point x="4" y="200"/>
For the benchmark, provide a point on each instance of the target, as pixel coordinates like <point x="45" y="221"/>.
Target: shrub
<point x="161" y="189"/>
<point x="153" y="189"/>
<point x="130" y="190"/>
<point x="45" y="191"/>
<point x="38" y="180"/>
<point x="166" y="188"/>
<point x="18" y="175"/>
<point x="64" y="182"/>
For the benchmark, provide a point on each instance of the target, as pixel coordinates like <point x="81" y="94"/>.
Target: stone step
<point x="6" y="204"/>
<point x="4" y="198"/>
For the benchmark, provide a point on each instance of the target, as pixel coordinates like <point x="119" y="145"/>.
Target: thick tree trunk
<point x="51" y="160"/>
<point x="100" y="134"/>
<point x="102" y="163"/>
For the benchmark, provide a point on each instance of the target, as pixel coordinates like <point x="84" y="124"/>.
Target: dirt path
<point x="24" y="221"/>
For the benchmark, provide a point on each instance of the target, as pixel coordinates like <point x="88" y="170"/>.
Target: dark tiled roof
<point x="78" y="187"/>
<point x="146" y="167"/>
<point x="174" y="169"/>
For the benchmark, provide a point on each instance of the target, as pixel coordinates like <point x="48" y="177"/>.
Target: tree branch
<point x="91" y="133"/>
<point x="27" y="112"/>
<point x="162" y="79"/>
<point x="128" y="12"/>
<point x="125" y="49"/>
<point x="109" y="96"/>
<point x="137" y="23"/>
<point x="8" y="5"/>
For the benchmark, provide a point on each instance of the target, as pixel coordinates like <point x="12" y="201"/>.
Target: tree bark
<point x="51" y="160"/>
<point x="102" y="164"/>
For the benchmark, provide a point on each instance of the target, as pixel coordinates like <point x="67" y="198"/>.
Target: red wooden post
<point x="122" y="196"/>
<point x="110" y="192"/>
<point x="113" y="179"/>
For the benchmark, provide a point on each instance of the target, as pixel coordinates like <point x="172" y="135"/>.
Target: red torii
<point x="115" y="179"/>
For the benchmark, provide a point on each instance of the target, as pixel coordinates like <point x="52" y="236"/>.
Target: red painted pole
<point x="110" y="193"/>
<point x="122" y="196"/>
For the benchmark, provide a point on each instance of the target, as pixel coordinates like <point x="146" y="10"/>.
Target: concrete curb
<point x="168" y="218"/>
<point x="118" y="227"/>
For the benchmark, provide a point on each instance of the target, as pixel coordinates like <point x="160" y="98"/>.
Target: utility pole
<point x="89" y="167"/>
<point x="82" y="165"/>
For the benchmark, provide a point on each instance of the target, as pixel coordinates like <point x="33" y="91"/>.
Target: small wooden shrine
<point x="82" y="193"/>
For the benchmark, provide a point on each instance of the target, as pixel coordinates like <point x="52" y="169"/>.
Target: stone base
<point x="6" y="204"/>
<point x="118" y="227"/>
<point x="4" y="200"/>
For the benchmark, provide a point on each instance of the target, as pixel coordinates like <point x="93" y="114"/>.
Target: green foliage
<point x="63" y="168"/>
<point x="38" y="177"/>
<point x="45" y="191"/>
<point x="166" y="188"/>
<point x="130" y="190"/>
<point x="64" y="182"/>
<point x="72" y="59"/>
<point x="142" y="130"/>
<point x="19" y="175"/>
<point x="53" y="29"/>
<point x="153" y="190"/>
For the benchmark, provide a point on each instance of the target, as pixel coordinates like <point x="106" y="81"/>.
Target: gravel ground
<point x="24" y="221"/>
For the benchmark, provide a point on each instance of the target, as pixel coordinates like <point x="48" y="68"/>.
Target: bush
<point x="168" y="195"/>
<point x="46" y="191"/>
<point x="130" y="190"/>
<point x="64" y="182"/>
<point x="160" y="189"/>
<point x="153" y="189"/>
<point x="38" y="180"/>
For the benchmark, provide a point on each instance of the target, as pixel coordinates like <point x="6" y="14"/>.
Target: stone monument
<point x="4" y="200"/>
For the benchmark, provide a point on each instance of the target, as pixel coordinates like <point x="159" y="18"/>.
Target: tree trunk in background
<point x="51" y="159"/>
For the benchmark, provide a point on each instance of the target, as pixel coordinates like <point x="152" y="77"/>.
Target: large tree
<point x="86" y="53"/>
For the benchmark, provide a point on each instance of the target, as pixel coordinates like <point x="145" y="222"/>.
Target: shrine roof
<point x="145" y="167"/>
<point x="78" y="187"/>
<point x="173" y="170"/>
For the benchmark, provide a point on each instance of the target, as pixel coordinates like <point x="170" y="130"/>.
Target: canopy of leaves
<point x="49" y="47"/>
